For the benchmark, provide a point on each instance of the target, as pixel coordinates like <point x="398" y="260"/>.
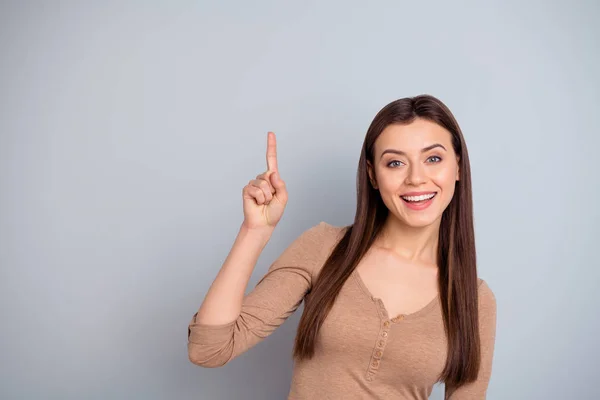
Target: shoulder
<point x="323" y="235"/>
<point x="485" y="291"/>
<point x="313" y="243"/>
<point x="331" y="232"/>
<point x="320" y="240"/>
<point x="487" y="302"/>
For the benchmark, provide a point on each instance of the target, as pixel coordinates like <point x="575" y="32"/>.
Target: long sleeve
<point x="487" y="328"/>
<point x="276" y="296"/>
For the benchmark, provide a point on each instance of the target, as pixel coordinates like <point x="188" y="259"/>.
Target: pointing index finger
<point x="271" y="152"/>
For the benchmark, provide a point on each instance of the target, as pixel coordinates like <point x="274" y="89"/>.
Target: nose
<point x="416" y="175"/>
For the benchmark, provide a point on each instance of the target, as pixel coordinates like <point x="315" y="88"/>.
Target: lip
<point x="418" y="207"/>
<point x="417" y="193"/>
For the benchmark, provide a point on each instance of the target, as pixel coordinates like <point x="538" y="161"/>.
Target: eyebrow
<point x="401" y="153"/>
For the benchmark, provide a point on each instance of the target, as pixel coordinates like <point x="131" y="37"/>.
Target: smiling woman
<point x="415" y="155"/>
<point x="393" y="303"/>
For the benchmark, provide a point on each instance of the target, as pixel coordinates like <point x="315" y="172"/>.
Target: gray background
<point x="127" y="131"/>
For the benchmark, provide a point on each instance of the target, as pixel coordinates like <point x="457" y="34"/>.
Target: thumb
<point x="276" y="180"/>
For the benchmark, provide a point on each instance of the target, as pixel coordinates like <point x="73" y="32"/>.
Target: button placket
<point x="378" y="350"/>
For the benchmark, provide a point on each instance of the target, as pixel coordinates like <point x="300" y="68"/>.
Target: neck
<point x="419" y="244"/>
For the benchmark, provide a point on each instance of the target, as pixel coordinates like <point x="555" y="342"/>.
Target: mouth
<point x="419" y="202"/>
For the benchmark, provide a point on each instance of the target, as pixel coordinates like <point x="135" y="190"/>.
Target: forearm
<point x="223" y="302"/>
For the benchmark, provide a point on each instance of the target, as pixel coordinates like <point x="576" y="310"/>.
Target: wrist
<point x="261" y="235"/>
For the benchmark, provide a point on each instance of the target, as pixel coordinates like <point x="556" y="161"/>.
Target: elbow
<point x="211" y="346"/>
<point x="208" y="356"/>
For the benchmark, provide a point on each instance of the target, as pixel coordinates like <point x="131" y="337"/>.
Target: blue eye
<point x="395" y="163"/>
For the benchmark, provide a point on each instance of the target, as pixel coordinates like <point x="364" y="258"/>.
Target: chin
<point x="419" y="223"/>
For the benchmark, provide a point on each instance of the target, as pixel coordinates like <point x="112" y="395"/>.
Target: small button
<point x="398" y="318"/>
<point x="378" y="354"/>
<point x="386" y="323"/>
<point x="375" y="364"/>
<point x="384" y="334"/>
<point x="381" y="343"/>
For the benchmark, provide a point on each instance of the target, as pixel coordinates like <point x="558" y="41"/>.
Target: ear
<point x="371" y="174"/>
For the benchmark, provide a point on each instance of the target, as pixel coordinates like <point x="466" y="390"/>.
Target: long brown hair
<point x="457" y="277"/>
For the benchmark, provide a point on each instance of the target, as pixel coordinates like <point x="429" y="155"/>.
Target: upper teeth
<point x="419" y="198"/>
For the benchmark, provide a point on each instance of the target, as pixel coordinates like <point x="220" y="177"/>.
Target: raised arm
<point x="228" y="322"/>
<point x="277" y="295"/>
<point x="264" y="200"/>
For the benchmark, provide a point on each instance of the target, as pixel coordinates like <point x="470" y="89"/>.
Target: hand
<point x="266" y="196"/>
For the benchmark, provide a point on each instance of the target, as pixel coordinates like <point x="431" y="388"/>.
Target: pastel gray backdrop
<point x="128" y="130"/>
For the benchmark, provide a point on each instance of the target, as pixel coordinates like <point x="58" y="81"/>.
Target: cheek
<point x="389" y="182"/>
<point x="445" y="177"/>
<point x="446" y="180"/>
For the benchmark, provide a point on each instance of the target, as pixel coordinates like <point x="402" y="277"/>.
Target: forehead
<point x="411" y="138"/>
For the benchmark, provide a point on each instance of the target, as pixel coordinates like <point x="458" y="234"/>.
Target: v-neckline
<point x="383" y="309"/>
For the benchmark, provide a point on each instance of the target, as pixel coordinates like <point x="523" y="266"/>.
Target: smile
<point x="418" y="202"/>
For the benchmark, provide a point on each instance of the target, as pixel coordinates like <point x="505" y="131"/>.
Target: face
<point x="411" y="163"/>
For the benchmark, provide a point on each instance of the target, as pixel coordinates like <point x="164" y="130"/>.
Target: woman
<point x="393" y="303"/>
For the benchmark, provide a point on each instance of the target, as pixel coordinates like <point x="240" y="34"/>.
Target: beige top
<point x="361" y="353"/>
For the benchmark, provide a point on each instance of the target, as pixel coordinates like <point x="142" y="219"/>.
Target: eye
<point x="439" y="158"/>
<point x="392" y="163"/>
